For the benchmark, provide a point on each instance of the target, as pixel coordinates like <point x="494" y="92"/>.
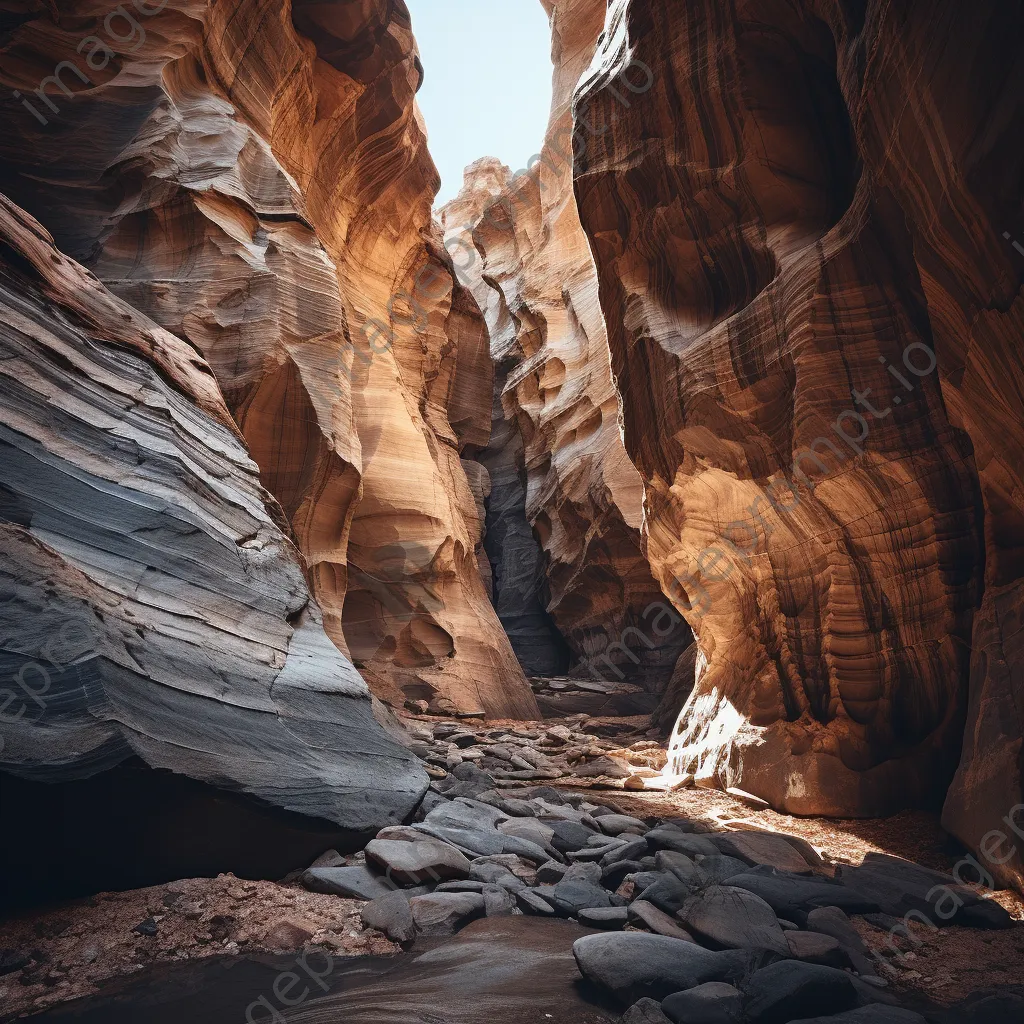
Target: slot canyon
<point x="593" y="592"/>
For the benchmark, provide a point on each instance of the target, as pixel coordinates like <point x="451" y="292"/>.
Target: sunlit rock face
<point x="798" y="230"/>
<point x="152" y="605"/>
<point x="519" y="244"/>
<point x="257" y="181"/>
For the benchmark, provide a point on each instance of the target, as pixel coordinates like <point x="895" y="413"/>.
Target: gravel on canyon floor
<point x="574" y="820"/>
<point x="71" y="949"/>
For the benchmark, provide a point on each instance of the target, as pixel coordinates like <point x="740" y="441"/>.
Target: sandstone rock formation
<point x="798" y="230"/>
<point x="152" y="604"/>
<point x="258" y="183"/>
<point x="521" y="238"/>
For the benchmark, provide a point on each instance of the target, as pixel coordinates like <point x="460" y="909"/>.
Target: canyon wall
<point x="799" y="235"/>
<point x="256" y="180"/>
<point x="153" y="607"/>
<point x="518" y="243"/>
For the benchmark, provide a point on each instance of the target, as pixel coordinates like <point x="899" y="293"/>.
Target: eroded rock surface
<point x="518" y="244"/>
<point x="153" y="606"/>
<point x="799" y="236"/>
<point x="259" y="184"/>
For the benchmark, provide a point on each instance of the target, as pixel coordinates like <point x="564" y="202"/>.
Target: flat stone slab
<point x="761" y="848"/>
<point x="648" y="915"/>
<point x="356" y="882"/>
<point x="606" y="918"/>
<point x="793" y="897"/>
<point x="615" y="824"/>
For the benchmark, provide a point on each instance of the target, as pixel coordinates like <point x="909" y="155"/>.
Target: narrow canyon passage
<point x="518" y="502"/>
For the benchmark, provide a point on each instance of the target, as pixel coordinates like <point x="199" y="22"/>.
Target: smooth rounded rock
<point x="391" y="915"/>
<point x="443" y="913"/>
<point x="634" y="964"/>
<point x="791" y="989"/>
<point x="712" y="1003"/>
<point x="615" y="824"/>
<point x="645" y="1011"/>
<point x="607" y="918"/>
<point x="816" y="948"/>
<point x="734" y="918"/>
<point x="427" y="860"/>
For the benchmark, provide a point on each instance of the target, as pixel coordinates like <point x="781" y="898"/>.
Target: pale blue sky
<point x="487" y="86"/>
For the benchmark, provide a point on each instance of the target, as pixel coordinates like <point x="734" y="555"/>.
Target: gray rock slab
<point x="761" y="848"/>
<point x="614" y="824"/>
<point x="356" y="882"/>
<point x="668" y="837"/>
<point x="649" y="916"/>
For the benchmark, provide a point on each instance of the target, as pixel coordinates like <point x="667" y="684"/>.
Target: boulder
<point x="670" y="837"/>
<point x="832" y="921"/>
<point x="794" y="897"/>
<point x="570" y="896"/>
<point x="443" y="913"/>
<point x="645" y="1011"/>
<point x="791" y="989"/>
<point x="816" y="948"/>
<point x="427" y="860"/>
<point x="498" y="901"/>
<point x="614" y="824"/>
<point x="735" y="919"/>
<point x="630" y="965"/>
<point x="392" y="915"/>
<point x="711" y="1003"/>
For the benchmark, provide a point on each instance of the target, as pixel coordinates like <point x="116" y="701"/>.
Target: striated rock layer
<point x="257" y="181"/>
<point x="810" y="303"/>
<point x="518" y="243"/>
<point x="152" y="605"/>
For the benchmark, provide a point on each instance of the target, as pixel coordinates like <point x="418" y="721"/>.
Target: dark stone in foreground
<point x="713" y="1003"/>
<point x="790" y="989"/>
<point x="645" y="1011"/>
<point x="868" y="1015"/>
<point x="633" y="964"/>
